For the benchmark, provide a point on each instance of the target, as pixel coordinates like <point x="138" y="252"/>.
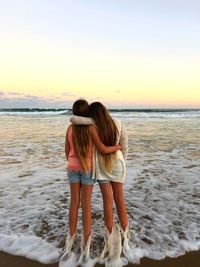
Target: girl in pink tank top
<point x="73" y="160"/>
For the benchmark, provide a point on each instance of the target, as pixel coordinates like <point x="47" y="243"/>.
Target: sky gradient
<point x="127" y="54"/>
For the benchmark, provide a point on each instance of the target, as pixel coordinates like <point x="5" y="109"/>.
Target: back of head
<point x="80" y="108"/>
<point x="106" y="128"/>
<point x="81" y="137"/>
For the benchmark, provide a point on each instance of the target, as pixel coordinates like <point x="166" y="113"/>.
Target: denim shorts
<point x="80" y="177"/>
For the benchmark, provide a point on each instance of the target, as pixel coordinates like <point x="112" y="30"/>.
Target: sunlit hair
<point x="81" y="136"/>
<point x="107" y="131"/>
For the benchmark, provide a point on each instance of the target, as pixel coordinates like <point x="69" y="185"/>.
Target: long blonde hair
<point x="81" y="136"/>
<point x="107" y="131"/>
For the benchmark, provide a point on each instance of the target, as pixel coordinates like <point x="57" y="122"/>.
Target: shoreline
<point x="190" y="259"/>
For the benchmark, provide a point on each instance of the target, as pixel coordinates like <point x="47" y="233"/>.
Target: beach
<point x="162" y="188"/>
<point x="138" y="60"/>
<point x="191" y="259"/>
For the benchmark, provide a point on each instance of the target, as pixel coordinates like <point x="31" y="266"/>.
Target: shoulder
<point x="92" y="128"/>
<point x="118" y="123"/>
<point x="69" y="129"/>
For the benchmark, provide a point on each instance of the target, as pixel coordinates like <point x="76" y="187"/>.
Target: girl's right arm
<point x="99" y="145"/>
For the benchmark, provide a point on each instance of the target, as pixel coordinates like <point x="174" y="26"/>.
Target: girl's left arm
<point x="66" y="144"/>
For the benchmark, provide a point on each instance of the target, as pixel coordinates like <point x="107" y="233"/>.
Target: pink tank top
<point x="73" y="161"/>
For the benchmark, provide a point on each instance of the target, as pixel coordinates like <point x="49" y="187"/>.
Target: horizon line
<point x="114" y="109"/>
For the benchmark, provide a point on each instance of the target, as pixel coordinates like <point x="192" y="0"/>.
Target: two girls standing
<point x="93" y="150"/>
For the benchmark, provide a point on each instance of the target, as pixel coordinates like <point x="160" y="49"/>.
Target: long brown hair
<point x="107" y="131"/>
<point x="81" y="136"/>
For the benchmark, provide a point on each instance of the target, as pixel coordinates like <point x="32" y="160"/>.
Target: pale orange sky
<point x="46" y="64"/>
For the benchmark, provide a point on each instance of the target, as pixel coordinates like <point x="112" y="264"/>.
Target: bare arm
<point x="67" y="144"/>
<point x="124" y="141"/>
<point x="99" y="145"/>
<point x="78" y="120"/>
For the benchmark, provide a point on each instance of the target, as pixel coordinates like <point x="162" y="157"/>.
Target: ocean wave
<point x="31" y="247"/>
<point x="35" y="248"/>
<point x="35" y="112"/>
<point x="121" y="113"/>
<point x="157" y="114"/>
<point x="162" y="189"/>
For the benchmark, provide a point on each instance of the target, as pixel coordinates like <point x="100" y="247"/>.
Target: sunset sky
<point x="127" y="54"/>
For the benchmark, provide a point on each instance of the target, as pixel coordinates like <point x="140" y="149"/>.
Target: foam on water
<point x="29" y="246"/>
<point x="34" y="112"/>
<point x="123" y="113"/>
<point x="157" y="114"/>
<point x="162" y="189"/>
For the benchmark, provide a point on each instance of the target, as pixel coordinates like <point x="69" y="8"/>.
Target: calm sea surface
<point x="162" y="187"/>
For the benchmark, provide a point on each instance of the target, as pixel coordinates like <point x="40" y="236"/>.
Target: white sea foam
<point x="29" y="246"/>
<point x="157" y="114"/>
<point x="35" y="113"/>
<point x="162" y="188"/>
<point x="127" y="114"/>
<point x="71" y="261"/>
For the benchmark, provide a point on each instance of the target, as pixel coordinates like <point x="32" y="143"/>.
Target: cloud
<point x="1" y="93"/>
<point x="94" y="99"/>
<point x="68" y="94"/>
<point x="26" y="101"/>
<point x="14" y="93"/>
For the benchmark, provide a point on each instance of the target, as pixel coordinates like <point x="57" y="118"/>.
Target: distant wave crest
<point x="36" y="112"/>
<point x="119" y="113"/>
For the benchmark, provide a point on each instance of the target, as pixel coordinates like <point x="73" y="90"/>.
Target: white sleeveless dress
<point x="118" y="172"/>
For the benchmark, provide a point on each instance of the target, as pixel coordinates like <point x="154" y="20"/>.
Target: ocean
<point x="162" y="187"/>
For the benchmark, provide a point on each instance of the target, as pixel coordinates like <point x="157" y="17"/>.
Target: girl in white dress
<point x="109" y="167"/>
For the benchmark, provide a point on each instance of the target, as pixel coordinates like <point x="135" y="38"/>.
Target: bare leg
<point x="75" y="189"/>
<point x="120" y="203"/>
<point x="86" y="209"/>
<point x="107" y="195"/>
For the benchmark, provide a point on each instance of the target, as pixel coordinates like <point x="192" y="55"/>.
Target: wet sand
<point x="191" y="259"/>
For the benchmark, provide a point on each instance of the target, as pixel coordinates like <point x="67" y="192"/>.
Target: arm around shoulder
<point x="79" y="120"/>
<point x="99" y="145"/>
